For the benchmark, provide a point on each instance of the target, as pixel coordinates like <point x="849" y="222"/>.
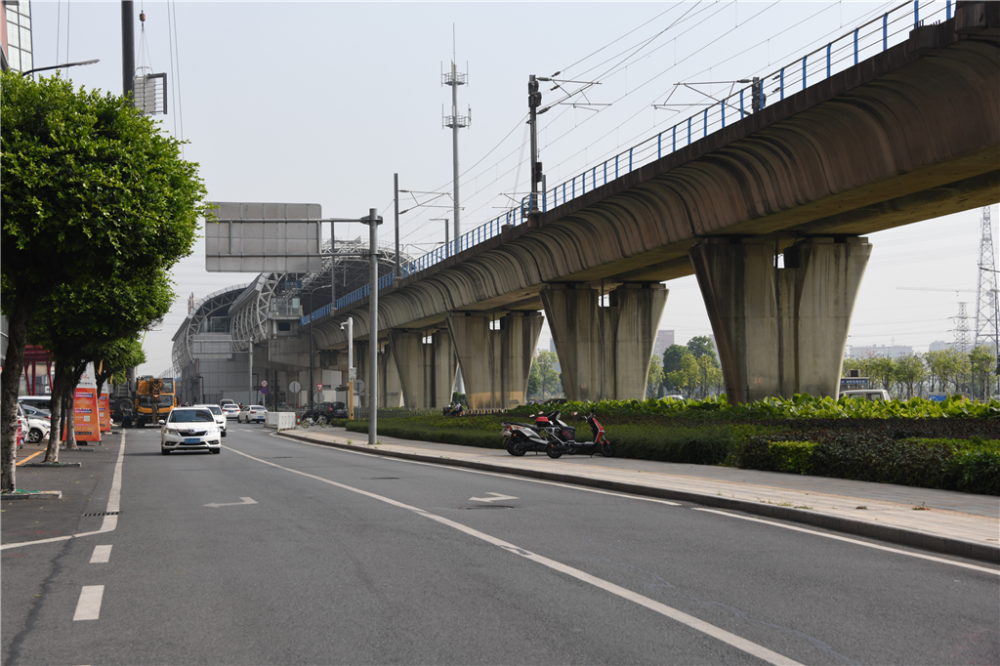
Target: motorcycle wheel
<point x="553" y="452"/>
<point x="513" y="449"/>
<point x="606" y="450"/>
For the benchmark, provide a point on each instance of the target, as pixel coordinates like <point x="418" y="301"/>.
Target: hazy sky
<point x="322" y="102"/>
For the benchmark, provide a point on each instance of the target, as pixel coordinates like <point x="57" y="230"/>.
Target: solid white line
<point x="504" y="475"/>
<point x="102" y="555"/>
<point x="854" y="541"/>
<point x="722" y="635"/>
<point x="110" y="522"/>
<point x="89" y="605"/>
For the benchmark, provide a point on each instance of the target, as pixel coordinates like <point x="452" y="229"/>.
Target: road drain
<point x="102" y="513"/>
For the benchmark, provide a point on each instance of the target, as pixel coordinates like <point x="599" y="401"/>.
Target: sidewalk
<point x="73" y="491"/>
<point x="939" y="520"/>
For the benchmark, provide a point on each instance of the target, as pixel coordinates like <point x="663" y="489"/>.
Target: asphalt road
<point x="283" y="552"/>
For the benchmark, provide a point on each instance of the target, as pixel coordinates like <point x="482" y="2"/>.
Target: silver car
<point x="190" y="429"/>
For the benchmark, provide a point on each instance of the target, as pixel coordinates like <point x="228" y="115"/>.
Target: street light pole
<point x="372" y="387"/>
<point x="65" y="65"/>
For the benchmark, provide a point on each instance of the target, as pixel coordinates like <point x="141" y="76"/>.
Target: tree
<point x="701" y="345"/>
<point x="881" y="370"/>
<point x="910" y="372"/>
<point x="981" y="361"/>
<point x="672" y="357"/>
<point x="655" y="378"/>
<point x="946" y="365"/>
<point x="91" y="191"/>
<point x="549" y="378"/>
<point x="687" y="377"/>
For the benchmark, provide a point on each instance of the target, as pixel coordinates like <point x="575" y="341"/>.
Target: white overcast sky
<point x="322" y="102"/>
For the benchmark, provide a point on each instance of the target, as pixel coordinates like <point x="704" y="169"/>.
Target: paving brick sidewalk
<point x="951" y="522"/>
<point x="84" y="490"/>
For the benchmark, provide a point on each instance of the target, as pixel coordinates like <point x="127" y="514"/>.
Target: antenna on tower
<point x="455" y="122"/>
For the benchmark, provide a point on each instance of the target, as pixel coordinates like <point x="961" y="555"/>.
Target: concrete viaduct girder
<point x="910" y="134"/>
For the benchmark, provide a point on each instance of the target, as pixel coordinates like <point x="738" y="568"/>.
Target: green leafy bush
<point x="792" y="457"/>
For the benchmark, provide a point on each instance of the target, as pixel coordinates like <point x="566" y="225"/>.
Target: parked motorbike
<point x="561" y="444"/>
<point x="551" y="434"/>
<point x="456" y="409"/>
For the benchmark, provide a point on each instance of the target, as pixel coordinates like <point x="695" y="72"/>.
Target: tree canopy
<point x="92" y="194"/>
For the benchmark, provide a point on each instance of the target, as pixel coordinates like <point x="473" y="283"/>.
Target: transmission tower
<point x="962" y="329"/>
<point x="986" y="294"/>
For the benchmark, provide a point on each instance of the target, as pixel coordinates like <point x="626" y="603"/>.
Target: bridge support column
<point x="390" y="392"/>
<point x="495" y="363"/>
<point x="780" y="331"/>
<point x="426" y="371"/>
<point x="604" y="351"/>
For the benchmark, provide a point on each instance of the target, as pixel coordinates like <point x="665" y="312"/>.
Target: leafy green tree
<point x="881" y="370"/>
<point x="80" y="322"/>
<point x="686" y="379"/>
<point x="672" y="357"/>
<point x="91" y="191"/>
<point x="655" y="378"/>
<point x="946" y="365"/>
<point x="534" y="380"/>
<point x="549" y="377"/>
<point x="982" y="363"/>
<point x="701" y="345"/>
<point x="910" y="373"/>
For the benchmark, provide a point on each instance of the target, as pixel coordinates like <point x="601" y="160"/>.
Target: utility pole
<point x="395" y="199"/>
<point x="534" y="100"/>
<point x="128" y="49"/>
<point x="373" y="221"/>
<point x="456" y="122"/>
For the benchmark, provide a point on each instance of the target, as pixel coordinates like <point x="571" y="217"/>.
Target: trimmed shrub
<point x="792" y="457"/>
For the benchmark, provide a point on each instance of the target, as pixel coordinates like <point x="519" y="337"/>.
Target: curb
<point x="32" y="495"/>
<point x="896" y="535"/>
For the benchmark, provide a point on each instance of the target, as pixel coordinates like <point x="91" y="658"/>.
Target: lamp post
<point x="65" y="65"/>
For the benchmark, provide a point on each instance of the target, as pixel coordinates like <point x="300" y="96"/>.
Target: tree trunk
<point x="59" y="381"/>
<point x="10" y="382"/>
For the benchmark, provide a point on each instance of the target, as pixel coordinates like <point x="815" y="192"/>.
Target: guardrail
<point x="865" y="41"/>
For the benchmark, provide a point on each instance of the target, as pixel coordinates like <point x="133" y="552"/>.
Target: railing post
<point x="828" y="46"/>
<point x="885" y="31"/>
<point x="948" y="9"/>
<point x="616" y="167"/>
<point x="804" y="71"/>
<point x="856" y="46"/>
<point x="583" y="178"/>
<point x="574" y="187"/>
<point x="659" y="153"/>
<point x="630" y="160"/>
<point x="705" y="122"/>
<point x="741" y="104"/>
<point x="675" y="139"/>
<point x="605" y="172"/>
<point x="723" y="114"/>
<point x="689" y="131"/>
<point x="781" y="84"/>
<point x="916" y="14"/>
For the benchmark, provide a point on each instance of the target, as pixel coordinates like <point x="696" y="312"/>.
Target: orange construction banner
<point x="86" y="415"/>
<point x="105" y="413"/>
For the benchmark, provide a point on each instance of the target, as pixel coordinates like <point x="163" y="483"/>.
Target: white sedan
<point x="231" y="410"/>
<point x="252" y="414"/>
<point x="220" y="416"/>
<point x="190" y="429"/>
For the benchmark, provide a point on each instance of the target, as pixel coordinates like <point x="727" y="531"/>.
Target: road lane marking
<point x="36" y="453"/>
<point x="102" y="555"/>
<point x="681" y="617"/>
<point x="503" y="475"/>
<point x="857" y="542"/>
<point x="89" y="605"/>
<point x="245" y="501"/>
<point x="496" y="497"/>
<point x="110" y="522"/>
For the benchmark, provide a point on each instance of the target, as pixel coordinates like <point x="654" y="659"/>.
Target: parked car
<point x="328" y="410"/>
<point x="190" y="429"/>
<point x="220" y="416"/>
<point x="252" y="414"/>
<point x="867" y="394"/>
<point x="231" y="410"/>
<point x="39" y="401"/>
<point x="34" y="428"/>
<point x="36" y="412"/>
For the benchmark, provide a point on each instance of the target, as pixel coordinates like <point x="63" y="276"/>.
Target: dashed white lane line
<point x="738" y="642"/>
<point x="89" y="605"/>
<point x="102" y="554"/>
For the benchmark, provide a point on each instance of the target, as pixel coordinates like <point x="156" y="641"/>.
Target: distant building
<point x="883" y="351"/>
<point x="939" y="345"/>
<point x="664" y="340"/>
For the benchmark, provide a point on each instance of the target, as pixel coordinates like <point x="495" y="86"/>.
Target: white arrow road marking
<point x="246" y="500"/>
<point x="89" y="605"/>
<point x="496" y="496"/>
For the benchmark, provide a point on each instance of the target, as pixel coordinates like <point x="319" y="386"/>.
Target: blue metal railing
<point x="866" y="40"/>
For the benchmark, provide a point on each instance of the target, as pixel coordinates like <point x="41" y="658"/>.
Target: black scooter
<point x="600" y="444"/>
<point x="520" y="438"/>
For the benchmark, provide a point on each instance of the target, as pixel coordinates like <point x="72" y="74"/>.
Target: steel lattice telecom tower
<point x="986" y="294"/>
<point x="455" y="122"/>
